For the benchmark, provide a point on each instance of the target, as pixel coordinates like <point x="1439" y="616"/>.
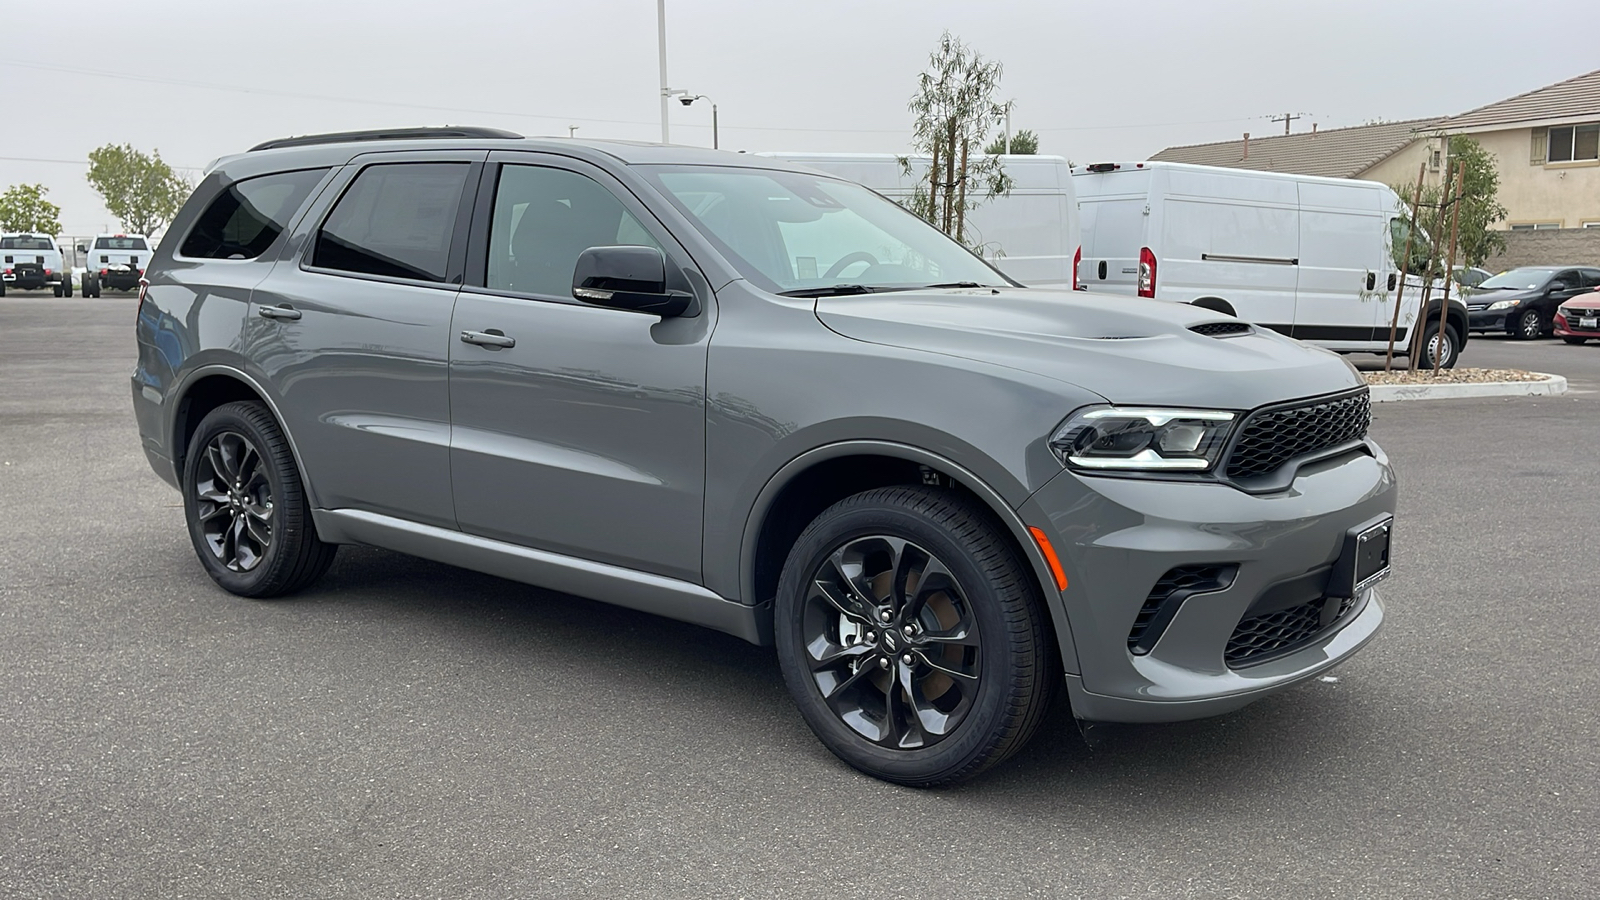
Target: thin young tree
<point x="954" y="109"/>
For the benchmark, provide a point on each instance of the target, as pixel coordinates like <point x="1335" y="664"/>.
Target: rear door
<point x="584" y="432"/>
<point x="354" y="339"/>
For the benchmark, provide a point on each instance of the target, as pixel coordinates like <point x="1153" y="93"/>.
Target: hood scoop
<point x="1221" y="329"/>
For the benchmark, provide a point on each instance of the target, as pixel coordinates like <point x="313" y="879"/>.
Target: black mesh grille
<point x="1272" y="437"/>
<point x="1184" y="580"/>
<point x="1220" y="329"/>
<point x="1273" y="634"/>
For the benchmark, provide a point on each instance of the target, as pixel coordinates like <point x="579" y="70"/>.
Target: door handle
<point x="282" y="311"/>
<point x="492" y="338"/>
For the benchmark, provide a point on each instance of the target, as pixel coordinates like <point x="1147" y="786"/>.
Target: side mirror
<point x="633" y="278"/>
<point x="1558" y="286"/>
<point x="83" y="248"/>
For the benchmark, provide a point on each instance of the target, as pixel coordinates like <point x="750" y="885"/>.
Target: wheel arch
<point x="209" y="387"/>
<point x="820" y="477"/>
<point x="1215" y="304"/>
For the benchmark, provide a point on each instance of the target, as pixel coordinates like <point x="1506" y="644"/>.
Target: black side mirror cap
<point x="1558" y="285"/>
<point x="627" y="277"/>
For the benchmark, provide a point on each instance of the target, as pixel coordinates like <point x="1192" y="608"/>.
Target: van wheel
<point x="1529" y="326"/>
<point x="249" y="518"/>
<point x="1436" y="343"/>
<point x="911" y="636"/>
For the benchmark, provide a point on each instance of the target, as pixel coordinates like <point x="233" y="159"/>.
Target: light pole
<point x="661" y="36"/>
<point x="686" y="100"/>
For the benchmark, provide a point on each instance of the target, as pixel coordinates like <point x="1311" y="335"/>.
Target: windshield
<point x="1520" y="279"/>
<point x="26" y="242"/>
<point x="794" y="232"/>
<point x="119" y="243"/>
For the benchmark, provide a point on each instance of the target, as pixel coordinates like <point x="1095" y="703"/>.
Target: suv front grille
<point x="1168" y="594"/>
<point x="1272" y="437"/>
<point x="1264" y="637"/>
<point x="1220" y="329"/>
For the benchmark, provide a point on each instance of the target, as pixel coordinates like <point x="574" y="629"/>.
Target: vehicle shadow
<point x="719" y="683"/>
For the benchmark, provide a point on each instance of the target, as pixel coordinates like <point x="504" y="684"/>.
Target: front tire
<point x="1573" y="340"/>
<point x="912" y="636"/>
<point x="248" y="514"/>
<point x="1529" y="326"/>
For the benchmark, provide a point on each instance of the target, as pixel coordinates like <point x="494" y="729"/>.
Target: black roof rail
<point x="388" y="134"/>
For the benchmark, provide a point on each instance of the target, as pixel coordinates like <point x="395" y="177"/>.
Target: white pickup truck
<point x="114" y="261"/>
<point x="28" y="262"/>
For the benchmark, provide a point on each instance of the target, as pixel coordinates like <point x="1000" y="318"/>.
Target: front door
<point x="575" y="429"/>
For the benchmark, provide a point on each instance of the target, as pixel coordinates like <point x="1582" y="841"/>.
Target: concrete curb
<point x="1552" y="384"/>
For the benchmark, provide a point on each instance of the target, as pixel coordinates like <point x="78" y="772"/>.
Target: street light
<point x="687" y="100"/>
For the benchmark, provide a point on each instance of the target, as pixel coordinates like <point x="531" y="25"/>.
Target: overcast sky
<point x="1098" y="81"/>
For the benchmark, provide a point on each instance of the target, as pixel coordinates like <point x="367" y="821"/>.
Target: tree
<point x="954" y="107"/>
<point x="23" y="208"/>
<point x="1023" y="142"/>
<point x="140" y="190"/>
<point x="1480" y="209"/>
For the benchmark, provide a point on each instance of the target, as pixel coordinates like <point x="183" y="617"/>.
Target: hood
<point x="1480" y="299"/>
<point x="1127" y="350"/>
<point x="1587" y="301"/>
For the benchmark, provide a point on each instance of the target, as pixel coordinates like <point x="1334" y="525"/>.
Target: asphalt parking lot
<point x="406" y="729"/>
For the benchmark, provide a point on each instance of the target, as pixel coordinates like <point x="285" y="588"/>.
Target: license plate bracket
<point x="1364" y="560"/>
<point x="1589" y="322"/>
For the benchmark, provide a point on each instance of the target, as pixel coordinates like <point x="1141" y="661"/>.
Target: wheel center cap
<point x="889" y="641"/>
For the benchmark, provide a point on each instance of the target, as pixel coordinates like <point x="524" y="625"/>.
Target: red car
<point x="1578" y="319"/>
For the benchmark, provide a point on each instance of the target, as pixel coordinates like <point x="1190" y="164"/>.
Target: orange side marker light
<point x="1049" y="557"/>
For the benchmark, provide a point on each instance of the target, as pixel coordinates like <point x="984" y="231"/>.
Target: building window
<point x="1591" y="224"/>
<point x="1573" y="143"/>
<point x="1537" y="226"/>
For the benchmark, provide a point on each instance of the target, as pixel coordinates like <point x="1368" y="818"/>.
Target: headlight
<point x="1504" y="304"/>
<point x="1153" y="440"/>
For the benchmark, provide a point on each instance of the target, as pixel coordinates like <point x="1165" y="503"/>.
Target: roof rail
<point x="388" y="134"/>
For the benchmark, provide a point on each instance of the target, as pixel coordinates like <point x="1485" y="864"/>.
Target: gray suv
<point x="767" y="401"/>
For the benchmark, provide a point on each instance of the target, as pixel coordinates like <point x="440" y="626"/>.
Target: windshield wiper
<point x="956" y="284"/>
<point x="832" y="290"/>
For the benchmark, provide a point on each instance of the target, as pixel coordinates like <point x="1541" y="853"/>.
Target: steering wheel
<point x="850" y="259"/>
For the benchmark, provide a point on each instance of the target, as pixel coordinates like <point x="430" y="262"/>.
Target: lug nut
<point x="883" y="663"/>
<point x="884" y="615"/>
<point x="906" y="659"/>
<point x="909" y="630"/>
<point x="872" y="636"/>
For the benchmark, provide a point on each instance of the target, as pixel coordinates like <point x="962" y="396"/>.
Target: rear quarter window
<point x="246" y="218"/>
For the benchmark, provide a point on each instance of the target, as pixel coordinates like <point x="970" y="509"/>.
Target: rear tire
<point x="55" y="289"/>
<point x="248" y="514"/>
<point x="91" y="285"/>
<point x="66" y="285"/>
<point x="924" y="686"/>
<point x="1431" y="337"/>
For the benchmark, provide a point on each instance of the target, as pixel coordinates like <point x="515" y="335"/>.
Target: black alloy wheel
<point x="1529" y="325"/>
<point x="235" y="501"/>
<point x="912" y="636"/>
<point x="248" y="513"/>
<point x="891" y="642"/>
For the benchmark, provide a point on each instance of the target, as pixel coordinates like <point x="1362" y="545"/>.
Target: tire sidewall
<point x="223" y="419"/>
<point x="976" y="734"/>
<point x="1521" y="332"/>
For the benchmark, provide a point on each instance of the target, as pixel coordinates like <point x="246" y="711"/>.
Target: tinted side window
<point x="543" y="219"/>
<point x="1591" y="277"/>
<point x="247" y="217"/>
<point x="396" y="220"/>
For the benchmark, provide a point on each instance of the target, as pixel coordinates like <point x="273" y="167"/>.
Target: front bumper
<point x="1565" y="328"/>
<point x="1484" y="320"/>
<point x="1118" y="537"/>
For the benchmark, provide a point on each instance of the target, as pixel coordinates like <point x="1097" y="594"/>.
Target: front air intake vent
<point x="1178" y="585"/>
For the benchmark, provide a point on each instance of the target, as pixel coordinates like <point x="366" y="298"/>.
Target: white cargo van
<point x="1309" y="257"/>
<point x="1030" y="233"/>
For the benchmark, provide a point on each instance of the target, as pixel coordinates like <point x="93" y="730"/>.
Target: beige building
<point x="1547" y="143"/>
